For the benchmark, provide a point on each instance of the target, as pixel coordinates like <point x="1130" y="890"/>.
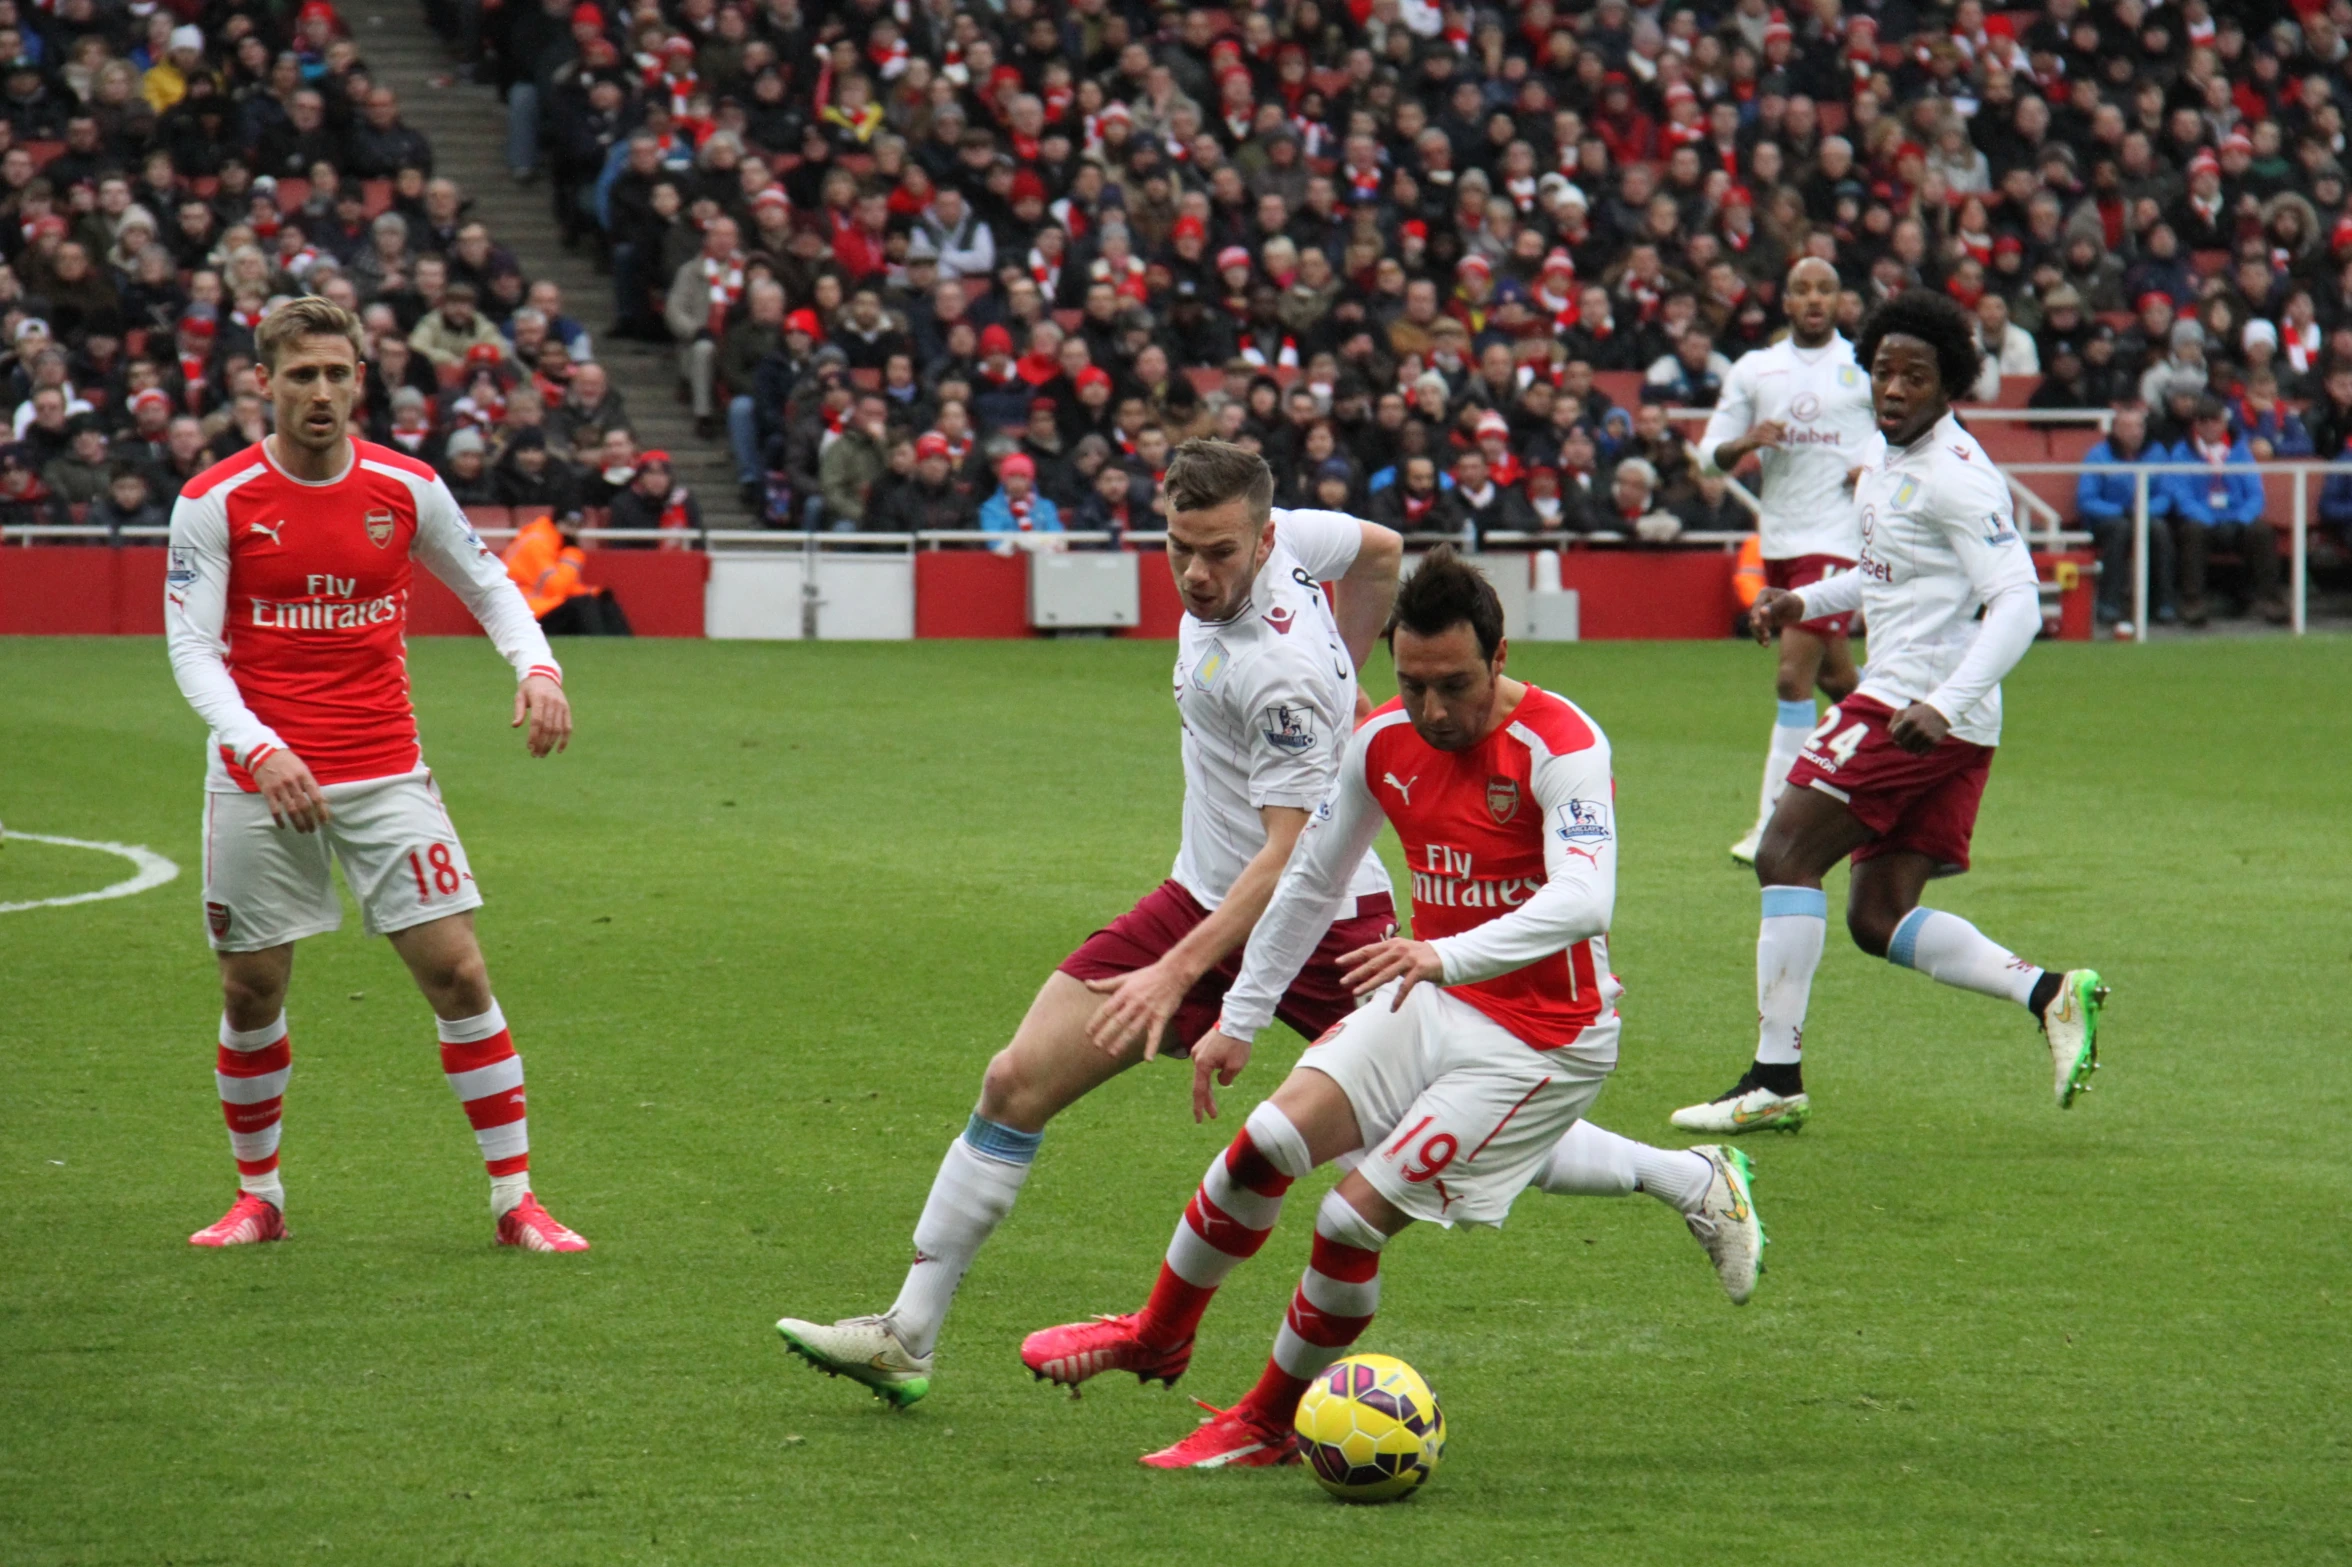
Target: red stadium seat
<point x="1328" y="83"/>
<point x="866" y="379"/>
<point x="1833" y="119"/>
<point x="2121" y="320"/>
<point x="523" y="516"/>
<point x="1622" y="387"/>
<point x="2006" y="441"/>
<point x="2209" y="262"/>
<point x="975" y="289"/>
<point x="488" y="516"/>
<point x="2056" y="488"/>
<point x="2071" y="442"/>
<point x="1068" y="320"/>
<point x="450" y="375"/>
<point x="41" y="152"/>
<point x="205" y="185"/>
<point x="378" y="194"/>
<point x="860" y="164"/>
<point x="1206" y="379"/>
<point x="292" y="193"/>
<point x="2016" y="389"/>
<point x="2278" y="499"/>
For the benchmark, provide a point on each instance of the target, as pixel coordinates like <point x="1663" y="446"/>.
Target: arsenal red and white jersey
<point x="286" y="609"/>
<point x="1512" y="848"/>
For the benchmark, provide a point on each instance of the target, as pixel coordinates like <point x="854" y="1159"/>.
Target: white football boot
<point x="1744" y="851"/>
<point x="2071" y="1024"/>
<point x="864" y="1349"/>
<point x="1727" y="1223"/>
<point x="1748" y="1107"/>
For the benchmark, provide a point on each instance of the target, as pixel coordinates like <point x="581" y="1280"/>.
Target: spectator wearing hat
<point x="2183" y="365"/>
<point x="1016" y="507"/>
<point x="853" y="462"/>
<point x="465" y="468"/>
<point x="527" y="474"/>
<point x="654" y="500"/>
<point x="929" y="500"/>
<point x="2219" y="510"/>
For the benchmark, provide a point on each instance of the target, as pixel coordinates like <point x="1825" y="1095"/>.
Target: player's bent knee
<point x="1273" y="1134"/>
<point x="1873" y="929"/>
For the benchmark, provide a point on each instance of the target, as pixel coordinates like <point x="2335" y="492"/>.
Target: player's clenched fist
<point x="295" y="799"/>
<point x="542" y="703"/>
<point x="1222" y="1056"/>
<point x="1369" y="968"/>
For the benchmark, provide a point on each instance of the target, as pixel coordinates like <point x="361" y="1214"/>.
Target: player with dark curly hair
<point x="1893" y="773"/>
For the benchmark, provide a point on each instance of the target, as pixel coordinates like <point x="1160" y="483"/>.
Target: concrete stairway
<point x="467" y="124"/>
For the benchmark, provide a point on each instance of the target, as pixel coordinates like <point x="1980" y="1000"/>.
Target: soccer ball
<point x="1371" y="1429"/>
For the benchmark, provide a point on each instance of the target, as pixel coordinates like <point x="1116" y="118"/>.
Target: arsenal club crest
<point x="379" y="526"/>
<point x="1502" y="799"/>
<point x="216" y="915"/>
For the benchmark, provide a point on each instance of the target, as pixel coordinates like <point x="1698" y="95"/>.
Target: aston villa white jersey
<point x="1268" y="700"/>
<point x="1823" y="397"/>
<point x="1939" y="538"/>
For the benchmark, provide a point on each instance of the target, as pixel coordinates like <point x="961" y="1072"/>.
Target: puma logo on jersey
<point x="267" y="531"/>
<point x="1403" y="786"/>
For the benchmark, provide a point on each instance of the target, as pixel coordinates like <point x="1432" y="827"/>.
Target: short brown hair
<point x="1206" y="473"/>
<point x="309" y="316"/>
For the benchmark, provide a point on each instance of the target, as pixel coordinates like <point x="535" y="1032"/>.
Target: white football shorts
<point x="265" y="885"/>
<point x="1458" y="1113"/>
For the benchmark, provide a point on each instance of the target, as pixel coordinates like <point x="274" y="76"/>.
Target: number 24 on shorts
<point x="1839" y="747"/>
<point x="441" y="870"/>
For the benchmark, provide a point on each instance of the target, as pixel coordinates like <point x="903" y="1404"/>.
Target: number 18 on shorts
<point x="265" y="885"/>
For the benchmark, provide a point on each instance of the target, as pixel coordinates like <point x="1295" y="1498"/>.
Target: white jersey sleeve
<point x="1979" y="520"/>
<point x="1290" y="728"/>
<point x="1579" y="893"/>
<point x="1325" y="542"/>
<point x="1314" y="891"/>
<point x="195" y="612"/>
<point x="450" y="548"/>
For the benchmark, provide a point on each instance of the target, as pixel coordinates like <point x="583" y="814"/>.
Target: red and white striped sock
<point x="478" y="1054"/>
<point x="1332" y="1308"/>
<point x="1228" y="1219"/>
<point x="251" y="1073"/>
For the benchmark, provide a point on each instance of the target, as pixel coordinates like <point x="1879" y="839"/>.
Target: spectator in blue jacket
<point x="2104" y="502"/>
<point x="2265" y="424"/>
<point x="1016" y="507"/>
<point x="2335" y="496"/>
<point x="2221" y="509"/>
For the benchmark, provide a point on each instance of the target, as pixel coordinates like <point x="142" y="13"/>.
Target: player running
<point x="1892" y="774"/>
<point x="286" y="600"/>
<point x="1265" y="686"/>
<point x="1805" y="405"/>
<point x="1487" y="1036"/>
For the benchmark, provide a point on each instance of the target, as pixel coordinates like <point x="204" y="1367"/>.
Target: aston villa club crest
<point x="1502" y="799"/>
<point x="379" y="526"/>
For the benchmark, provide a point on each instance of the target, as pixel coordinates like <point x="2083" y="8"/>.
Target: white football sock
<point x="507" y="1192"/>
<point x="1590" y="1161"/>
<point x="977" y="1183"/>
<point x="1795" y="721"/>
<point x="1946" y="947"/>
<point x="1789" y="939"/>
<point x="270" y="1188"/>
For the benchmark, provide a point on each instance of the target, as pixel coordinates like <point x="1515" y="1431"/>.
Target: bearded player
<point x="1805" y="405"/>
<point x="1487" y="1036"/>
<point x="1265" y="686"/>
<point x="286" y="602"/>
<point x="1892" y="775"/>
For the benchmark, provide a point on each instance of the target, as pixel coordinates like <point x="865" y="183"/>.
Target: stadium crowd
<point x="1443" y="263"/>
<point x="168" y="174"/>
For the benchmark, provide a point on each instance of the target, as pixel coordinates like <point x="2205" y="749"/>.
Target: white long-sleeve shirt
<point x="1823" y="397"/>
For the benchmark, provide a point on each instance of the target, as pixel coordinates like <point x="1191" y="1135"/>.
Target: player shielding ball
<point x="1804" y="405"/>
<point x="1892" y="775"/>
<point x="1485" y="1039"/>
<point x="286" y="606"/>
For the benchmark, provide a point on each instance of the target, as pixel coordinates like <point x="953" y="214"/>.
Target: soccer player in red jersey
<point x="1488" y="1033"/>
<point x="286" y="603"/>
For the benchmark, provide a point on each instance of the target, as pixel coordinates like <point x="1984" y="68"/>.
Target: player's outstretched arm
<point x="450" y="548"/>
<point x="1980" y="522"/>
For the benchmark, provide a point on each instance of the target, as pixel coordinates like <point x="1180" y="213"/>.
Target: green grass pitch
<point x="757" y="934"/>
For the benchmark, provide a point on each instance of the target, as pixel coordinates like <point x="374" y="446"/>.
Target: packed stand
<point x="169" y="181"/>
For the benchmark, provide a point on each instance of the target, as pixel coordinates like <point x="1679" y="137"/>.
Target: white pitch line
<point x="153" y="871"/>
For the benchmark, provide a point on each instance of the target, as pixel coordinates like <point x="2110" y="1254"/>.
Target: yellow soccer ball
<point x="1370" y="1429"/>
